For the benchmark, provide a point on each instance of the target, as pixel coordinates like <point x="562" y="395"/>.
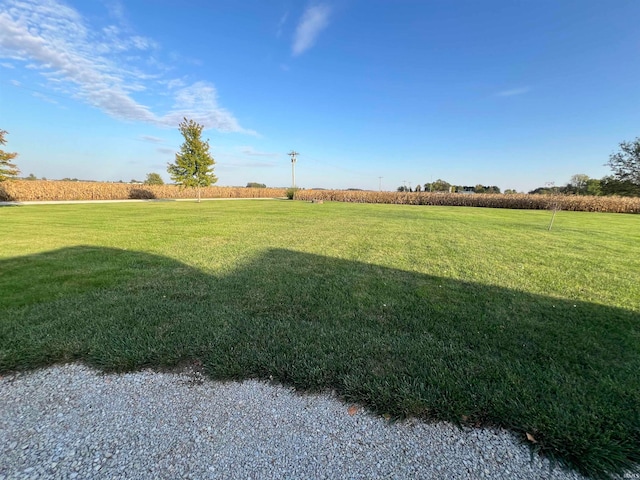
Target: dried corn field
<point x="43" y="190"/>
<point x="517" y="201"/>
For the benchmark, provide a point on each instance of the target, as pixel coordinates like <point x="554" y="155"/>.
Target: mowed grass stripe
<point x="469" y="315"/>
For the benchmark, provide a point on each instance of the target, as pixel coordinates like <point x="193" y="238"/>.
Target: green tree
<point x="626" y="163"/>
<point x="31" y="177"/>
<point x="256" y="185"/>
<point x="154" y="179"/>
<point x="194" y="164"/>
<point x="613" y="186"/>
<point x="7" y="169"/>
<point x="594" y="187"/>
<point x="441" y="186"/>
<point x="579" y="183"/>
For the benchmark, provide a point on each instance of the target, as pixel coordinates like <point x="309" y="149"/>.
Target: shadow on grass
<point x="400" y="343"/>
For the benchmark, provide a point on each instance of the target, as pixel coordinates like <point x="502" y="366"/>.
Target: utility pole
<point x="293" y="154"/>
<point x="380" y="184"/>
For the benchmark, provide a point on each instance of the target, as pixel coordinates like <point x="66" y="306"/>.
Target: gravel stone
<point x="70" y="421"/>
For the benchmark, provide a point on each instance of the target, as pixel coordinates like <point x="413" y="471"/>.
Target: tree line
<point x="625" y="180"/>
<point x="581" y="184"/>
<point x="444" y="186"/>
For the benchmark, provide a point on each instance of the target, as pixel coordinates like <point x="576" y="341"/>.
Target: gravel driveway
<point x="72" y="422"/>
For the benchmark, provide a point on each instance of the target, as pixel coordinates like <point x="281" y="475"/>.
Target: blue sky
<point x="514" y="93"/>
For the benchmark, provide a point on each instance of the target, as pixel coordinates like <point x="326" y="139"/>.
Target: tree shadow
<point x="4" y="195"/>
<point x="141" y="194"/>
<point x="398" y="342"/>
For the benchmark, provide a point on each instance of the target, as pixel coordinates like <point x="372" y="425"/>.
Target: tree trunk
<point x="198" y="194"/>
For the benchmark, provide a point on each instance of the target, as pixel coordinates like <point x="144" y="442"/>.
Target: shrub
<point x="291" y="192"/>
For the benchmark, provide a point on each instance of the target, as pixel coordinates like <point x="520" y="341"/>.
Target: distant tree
<point x="193" y="166"/>
<point x="256" y="185"/>
<point x="154" y="179"/>
<point x="551" y="190"/>
<point x="402" y="188"/>
<point x="626" y="163"/>
<point x="479" y="189"/>
<point x="613" y="186"/>
<point x="579" y="183"/>
<point x="7" y="169"/>
<point x="31" y="177"/>
<point x="418" y="188"/>
<point x="437" y="186"/>
<point x="510" y="191"/>
<point x="593" y="187"/>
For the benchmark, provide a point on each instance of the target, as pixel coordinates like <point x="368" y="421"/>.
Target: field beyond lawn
<point x="476" y="316"/>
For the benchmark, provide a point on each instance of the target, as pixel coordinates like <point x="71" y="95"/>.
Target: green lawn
<point x="477" y="316"/>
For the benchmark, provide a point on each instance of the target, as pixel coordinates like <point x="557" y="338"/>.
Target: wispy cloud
<point x="252" y="152"/>
<point x="165" y="150"/>
<point x="151" y="139"/>
<point x="115" y="9"/>
<point x="313" y="21"/>
<point x="44" y="98"/>
<point x="513" y="92"/>
<point x="281" y="23"/>
<point x="95" y="64"/>
<point x="232" y="164"/>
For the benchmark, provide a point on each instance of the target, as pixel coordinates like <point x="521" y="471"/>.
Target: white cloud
<point x="115" y="9"/>
<point x="252" y="152"/>
<point x="313" y="21"/>
<point x="281" y="24"/>
<point x="514" y="91"/>
<point x="44" y="98"/>
<point x="151" y="139"/>
<point x="175" y="83"/>
<point x="92" y="64"/>
<point x="201" y="102"/>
